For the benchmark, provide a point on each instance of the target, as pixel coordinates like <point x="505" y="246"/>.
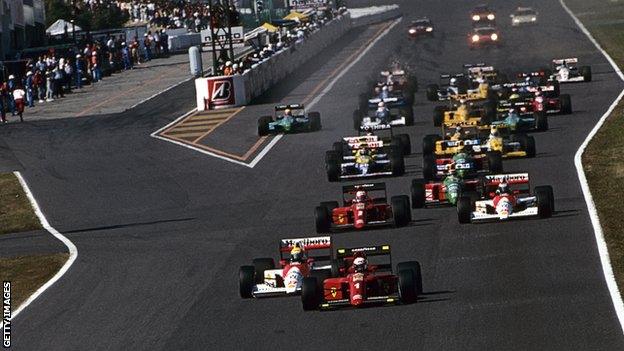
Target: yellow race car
<point x="479" y="139"/>
<point x="476" y="112"/>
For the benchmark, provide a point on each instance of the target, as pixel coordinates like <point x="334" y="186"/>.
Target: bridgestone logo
<point x="221" y="90"/>
<point x="6" y="314"/>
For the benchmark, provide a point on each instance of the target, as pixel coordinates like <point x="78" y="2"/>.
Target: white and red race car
<point x="264" y="279"/>
<point x="506" y="196"/>
<point x="566" y="70"/>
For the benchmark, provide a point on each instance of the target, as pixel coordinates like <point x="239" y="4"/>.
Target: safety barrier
<point x="223" y="91"/>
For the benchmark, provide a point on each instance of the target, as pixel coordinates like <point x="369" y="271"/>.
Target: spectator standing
<point x="164" y="39"/>
<point x="69" y="72"/>
<point x="18" y="97"/>
<point x="157" y="44"/>
<point x="30" y="89"/>
<point x="49" y="86"/>
<point x="125" y="55"/>
<point x="11" y="85"/>
<point x="147" y="46"/>
<point x="39" y="82"/>
<point x="3" y="101"/>
<point x="95" y="67"/>
<point x="79" y="71"/>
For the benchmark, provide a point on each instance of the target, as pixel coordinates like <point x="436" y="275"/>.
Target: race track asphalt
<point x="161" y="230"/>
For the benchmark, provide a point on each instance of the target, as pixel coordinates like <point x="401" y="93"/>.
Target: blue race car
<point x="290" y="118"/>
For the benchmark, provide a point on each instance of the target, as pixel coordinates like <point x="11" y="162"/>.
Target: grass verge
<point x="16" y="214"/>
<point x="28" y="273"/>
<point x="602" y="158"/>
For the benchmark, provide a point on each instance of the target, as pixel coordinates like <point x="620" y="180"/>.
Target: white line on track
<point x="73" y="251"/>
<point x="605" y="260"/>
<point x="277" y="138"/>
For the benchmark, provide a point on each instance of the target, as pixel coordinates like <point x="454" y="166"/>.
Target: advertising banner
<point x="238" y="38"/>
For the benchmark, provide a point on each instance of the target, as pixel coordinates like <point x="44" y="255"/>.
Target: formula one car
<point x="360" y="210"/>
<point x="474" y="112"/>
<point x="368" y="158"/>
<point x="443" y="193"/>
<point x="402" y="83"/>
<point x="465" y="164"/>
<point x="289" y="119"/>
<point x="566" y="70"/>
<point x="450" y="85"/>
<point x="262" y="279"/>
<point x="523" y="118"/>
<point x="398" y="142"/>
<point x="491" y="75"/>
<point x="523" y="15"/>
<point x="392" y="115"/>
<point x="420" y="27"/>
<point x="482" y="16"/>
<point x="483" y="36"/>
<point x="479" y="139"/>
<point x="363" y="284"/>
<point x="507" y="196"/>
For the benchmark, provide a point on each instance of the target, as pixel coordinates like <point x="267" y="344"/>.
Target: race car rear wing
<point x="289" y="106"/>
<point x="471" y="65"/>
<point x="383" y="251"/>
<point x="565" y="61"/>
<point x="531" y="74"/>
<point x="351" y="189"/>
<point x="449" y="75"/>
<point x="319" y="247"/>
<point x="370" y="128"/>
<point x="399" y="72"/>
<point x="518" y="182"/>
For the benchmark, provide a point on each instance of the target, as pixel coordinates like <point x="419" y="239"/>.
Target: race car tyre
<point x="418" y="193"/>
<point x="438" y="115"/>
<point x="397" y="163"/>
<point x="261" y="265"/>
<point x="246" y="281"/>
<point x="401" y="212"/>
<point x="322" y="219"/>
<point x="489" y="113"/>
<point x="357" y="120"/>
<point x="544" y="78"/>
<point x="545" y="201"/>
<point x="432" y="92"/>
<point x="263" y="125"/>
<point x="585" y="71"/>
<point x="321" y="275"/>
<point x="414" y="266"/>
<point x="406" y="144"/>
<point x="528" y="144"/>
<point x="310" y="294"/>
<point x="332" y="166"/>
<point x="429" y="167"/>
<point x="473" y="195"/>
<point x="495" y="161"/>
<point x="541" y="121"/>
<point x="338" y="148"/>
<point x="336" y="266"/>
<point x="463" y="84"/>
<point x="502" y="78"/>
<point x="329" y="205"/>
<point x="556" y="87"/>
<point x="464" y="209"/>
<point x="429" y="143"/>
<point x="408" y="113"/>
<point x="566" y="104"/>
<point x="315" y="121"/>
<point x="407" y="286"/>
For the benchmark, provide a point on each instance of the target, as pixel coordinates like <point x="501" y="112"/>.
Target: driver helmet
<point x="287" y="112"/>
<point x="377" y="90"/>
<point x="503" y="188"/>
<point x="527" y="79"/>
<point x="511" y="110"/>
<point x="296" y="253"/>
<point x="462" y="102"/>
<point x="480" y="80"/>
<point x="514" y="96"/>
<point x="384" y="88"/>
<point x="360" y="264"/>
<point x="453" y="81"/>
<point x="458" y="129"/>
<point x="360" y="195"/>
<point x="494" y="132"/>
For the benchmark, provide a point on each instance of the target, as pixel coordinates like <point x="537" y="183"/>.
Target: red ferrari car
<point x="361" y="283"/>
<point x="363" y="205"/>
